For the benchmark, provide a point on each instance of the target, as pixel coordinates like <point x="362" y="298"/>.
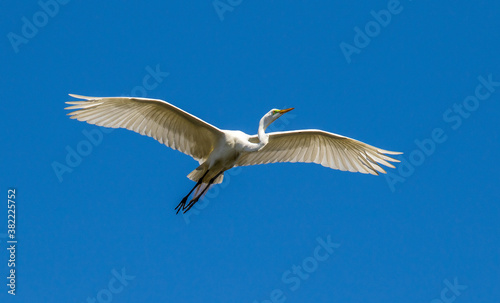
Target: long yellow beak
<point x="285" y="110"/>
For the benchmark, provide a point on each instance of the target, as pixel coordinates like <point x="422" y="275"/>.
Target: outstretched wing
<point x="158" y="119"/>
<point x="330" y="150"/>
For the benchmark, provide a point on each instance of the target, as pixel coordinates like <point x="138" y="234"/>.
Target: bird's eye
<point x="275" y="112"/>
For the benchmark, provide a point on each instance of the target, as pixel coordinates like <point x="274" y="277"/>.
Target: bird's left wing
<point x="328" y="149"/>
<point x="161" y="120"/>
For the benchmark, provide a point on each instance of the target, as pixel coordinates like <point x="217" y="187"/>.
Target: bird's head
<point x="273" y="115"/>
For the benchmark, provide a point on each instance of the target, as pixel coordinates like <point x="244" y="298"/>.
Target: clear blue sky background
<point x="399" y="241"/>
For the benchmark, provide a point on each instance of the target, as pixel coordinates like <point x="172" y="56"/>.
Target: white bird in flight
<point x="218" y="150"/>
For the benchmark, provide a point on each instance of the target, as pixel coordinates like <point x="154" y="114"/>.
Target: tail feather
<point x="198" y="173"/>
<point x="219" y="179"/>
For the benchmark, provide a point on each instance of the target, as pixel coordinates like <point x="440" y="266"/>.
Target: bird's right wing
<point x="161" y="120"/>
<point x="328" y="149"/>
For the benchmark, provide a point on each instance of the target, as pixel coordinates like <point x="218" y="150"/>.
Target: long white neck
<point x="263" y="137"/>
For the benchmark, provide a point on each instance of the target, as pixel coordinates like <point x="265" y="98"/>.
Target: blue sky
<point x="410" y="76"/>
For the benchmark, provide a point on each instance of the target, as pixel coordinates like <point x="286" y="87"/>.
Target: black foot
<point x="181" y="205"/>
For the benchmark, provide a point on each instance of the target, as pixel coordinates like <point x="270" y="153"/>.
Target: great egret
<point x="218" y="150"/>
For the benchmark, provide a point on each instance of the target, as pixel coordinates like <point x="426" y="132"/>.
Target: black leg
<point x="194" y="200"/>
<point x="183" y="201"/>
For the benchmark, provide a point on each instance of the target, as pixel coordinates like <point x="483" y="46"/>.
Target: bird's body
<point x="219" y="150"/>
<point x="227" y="151"/>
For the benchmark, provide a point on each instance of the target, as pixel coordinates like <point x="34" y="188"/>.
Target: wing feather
<point x="154" y="118"/>
<point x="328" y="149"/>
